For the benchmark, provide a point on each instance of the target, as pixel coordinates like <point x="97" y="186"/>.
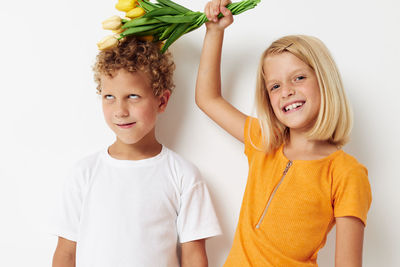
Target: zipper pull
<point x="288" y="165"/>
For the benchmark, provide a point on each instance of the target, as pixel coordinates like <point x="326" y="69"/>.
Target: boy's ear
<point x="164" y="97"/>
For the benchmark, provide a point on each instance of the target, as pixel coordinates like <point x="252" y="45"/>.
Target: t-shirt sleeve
<point x="66" y="217"/>
<point x="352" y="194"/>
<point x="196" y="218"/>
<point x="252" y="136"/>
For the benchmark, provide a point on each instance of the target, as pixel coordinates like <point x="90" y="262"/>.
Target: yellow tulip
<point x="112" y="23"/>
<point x="125" y="5"/>
<point x="108" y="42"/>
<point x="136" y="12"/>
<point x="120" y="30"/>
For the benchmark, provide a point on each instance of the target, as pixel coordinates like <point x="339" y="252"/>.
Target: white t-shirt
<point x="133" y="213"/>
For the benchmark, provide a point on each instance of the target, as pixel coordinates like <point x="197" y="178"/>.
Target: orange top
<point x="289" y="207"/>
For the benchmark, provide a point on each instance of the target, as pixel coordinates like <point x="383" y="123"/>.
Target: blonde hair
<point x="334" y="121"/>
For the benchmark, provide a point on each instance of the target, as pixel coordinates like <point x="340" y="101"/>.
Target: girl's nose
<point x="287" y="91"/>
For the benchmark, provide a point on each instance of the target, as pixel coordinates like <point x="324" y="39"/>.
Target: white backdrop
<point x="51" y="116"/>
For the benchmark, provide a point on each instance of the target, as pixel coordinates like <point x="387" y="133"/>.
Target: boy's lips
<point x="125" y="125"/>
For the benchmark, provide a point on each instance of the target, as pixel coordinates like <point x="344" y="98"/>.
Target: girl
<point x="300" y="182"/>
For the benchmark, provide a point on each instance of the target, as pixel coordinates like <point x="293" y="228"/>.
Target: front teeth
<point x="292" y="106"/>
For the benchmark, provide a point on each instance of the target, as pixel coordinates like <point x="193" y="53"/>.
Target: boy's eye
<point x="108" y="97"/>
<point x="133" y="96"/>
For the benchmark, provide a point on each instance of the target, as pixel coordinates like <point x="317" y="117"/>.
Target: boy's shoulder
<point x="181" y="166"/>
<point x="88" y="161"/>
<point x="184" y="174"/>
<point x="180" y="161"/>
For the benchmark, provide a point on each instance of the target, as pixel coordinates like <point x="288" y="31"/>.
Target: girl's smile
<point x="293" y="106"/>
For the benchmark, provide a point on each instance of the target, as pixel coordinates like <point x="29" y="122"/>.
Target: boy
<point x="130" y="204"/>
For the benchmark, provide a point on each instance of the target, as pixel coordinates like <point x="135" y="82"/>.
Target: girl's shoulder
<point x="344" y="159"/>
<point x="345" y="165"/>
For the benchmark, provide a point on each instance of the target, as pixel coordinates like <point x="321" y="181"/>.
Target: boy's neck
<point x="138" y="151"/>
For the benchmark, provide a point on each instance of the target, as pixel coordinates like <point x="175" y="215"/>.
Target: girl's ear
<point x="164" y="97"/>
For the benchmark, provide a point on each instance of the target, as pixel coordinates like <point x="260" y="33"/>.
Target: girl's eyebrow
<point x="298" y="70"/>
<point x="268" y="82"/>
<point x="303" y="70"/>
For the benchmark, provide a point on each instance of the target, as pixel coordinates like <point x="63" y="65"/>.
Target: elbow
<point x="199" y="100"/>
<point x="205" y="101"/>
<point x="204" y="104"/>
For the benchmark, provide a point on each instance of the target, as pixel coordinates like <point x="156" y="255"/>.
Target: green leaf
<point x="140" y="22"/>
<point x="167" y="32"/>
<point x="161" y="11"/>
<point x="178" y="18"/>
<point x="147" y="5"/>
<point x="168" y="21"/>
<point x="175" y="6"/>
<point x="153" y="32"/>
<point x="178" y="32"/>
<point x="140" y="29"/>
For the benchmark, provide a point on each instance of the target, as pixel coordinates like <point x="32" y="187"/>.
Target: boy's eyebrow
<point x="102" y="90"/>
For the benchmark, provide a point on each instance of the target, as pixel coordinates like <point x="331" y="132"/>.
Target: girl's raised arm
<point x="208" y="86"/>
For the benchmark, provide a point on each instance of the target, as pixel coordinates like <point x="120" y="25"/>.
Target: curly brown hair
<point x="135" y="55"/>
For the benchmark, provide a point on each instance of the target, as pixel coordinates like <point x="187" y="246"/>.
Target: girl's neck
<point x="299" y="147"/>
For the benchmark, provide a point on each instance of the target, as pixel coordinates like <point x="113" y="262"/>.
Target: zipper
<point x="288" y="165"/>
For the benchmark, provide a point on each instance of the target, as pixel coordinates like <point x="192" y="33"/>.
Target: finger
<point x="226" y="12"/>
<point x="215" y="7"/>
<point x="228" y="18"/>
<point x="208" y="12"/>
<point x="213" y="16"/>
<point x="224" y="3"/>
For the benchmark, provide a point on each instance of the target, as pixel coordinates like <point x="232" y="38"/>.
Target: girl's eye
<point x="298" y="78"/>
<point x="275" y="86"/>
<point x="133" y="96"/>
<point x="109" y="97"/>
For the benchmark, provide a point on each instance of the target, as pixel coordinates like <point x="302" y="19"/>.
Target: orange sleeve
<point x="352" y="194"/>
<point x="252" y="135"/>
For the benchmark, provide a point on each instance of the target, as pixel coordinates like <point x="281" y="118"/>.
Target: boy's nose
<point x="121" y="111"/>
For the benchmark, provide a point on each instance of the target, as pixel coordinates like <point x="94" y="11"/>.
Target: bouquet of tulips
<point x="162" y="21"/>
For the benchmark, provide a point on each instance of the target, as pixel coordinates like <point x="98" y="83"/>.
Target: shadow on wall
<point x="365" y="147"/>
<point x="170" y="125"/>
<point x="361" y="147"/>
<point x="218" y="247"/>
